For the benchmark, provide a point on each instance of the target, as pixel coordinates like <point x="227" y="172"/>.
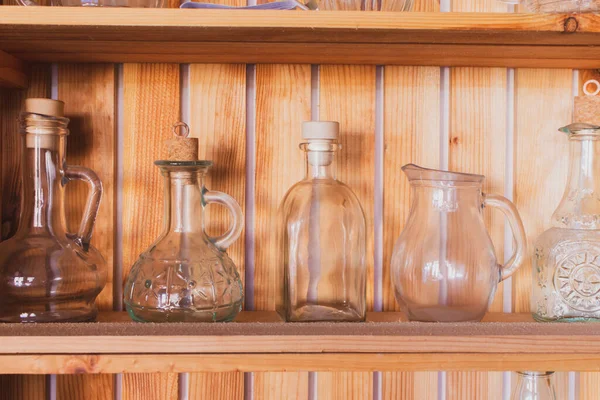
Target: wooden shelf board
<point x="346" y="37"/>
<point x="12" y="73"/>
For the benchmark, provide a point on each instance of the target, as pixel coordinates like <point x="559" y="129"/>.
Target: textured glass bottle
<point x="534" y="386"/>
<point x="566" y="262"/>
<point x="323" y="237"/>
<point x="185" y="275"/>
<point x="46" y="273"/>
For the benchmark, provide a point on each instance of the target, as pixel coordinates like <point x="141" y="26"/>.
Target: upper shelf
<point x="57" y="34"/>
<point x="261" y="341"/>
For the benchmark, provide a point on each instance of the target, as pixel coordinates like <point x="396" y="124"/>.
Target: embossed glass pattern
<point x="566" y="260"/>
<point x="533" y="385"/>
<point x="185" y="275"/>
<point x="444" y="267"/>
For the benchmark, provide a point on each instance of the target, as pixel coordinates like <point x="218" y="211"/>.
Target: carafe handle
<point x="237" y="223"/>
<point x="84" y="235"/>
<point x="516" y="225"/>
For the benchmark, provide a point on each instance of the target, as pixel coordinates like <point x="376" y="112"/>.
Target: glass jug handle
<point x="516" y="225"/>
<point x="84" y="235"/>
<point x="237" y="224"/>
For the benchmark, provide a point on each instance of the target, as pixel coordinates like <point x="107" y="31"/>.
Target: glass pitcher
<point x="46" y="273"/>
<point x="185" y="275"/>
<point x="444" y="267"/>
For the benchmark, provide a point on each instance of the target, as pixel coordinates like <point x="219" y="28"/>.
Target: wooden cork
<point x="181" y="147"/>
<point x="587" y="110"/>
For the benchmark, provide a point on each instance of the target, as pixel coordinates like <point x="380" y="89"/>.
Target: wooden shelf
<point x="56" y="34"/>
<point x="261" y="341"/>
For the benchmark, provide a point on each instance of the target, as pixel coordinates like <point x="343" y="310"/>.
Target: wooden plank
<point x="474" y="385"/>
<point x="89" y="95"/>
<point x="484" y="55"/>
<point x="347" y="95"/>
<point x="164" y="25"/>
<point x="151" y="106"/>
<point x="281" y="386"/>
<point x="23" y="387"/>
<point x="18" y="387"/>
<point x="543" y="103"/>
<point x="150" y="386"/>
<point x="218" y="117"/>
<point x="282" y="103"/>
<point x="12" y="74"/>
<point x="411" y="135"/>
<point x="222" y="369"/>
<point x="345" y="386"/>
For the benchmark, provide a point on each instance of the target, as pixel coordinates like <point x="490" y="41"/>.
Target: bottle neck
<point x="42" y="171"/>
<point x="320" y="159"/>
<point x="534" y="385"/>
<point x="580" y="205"/>
<point x="183" y="201"/>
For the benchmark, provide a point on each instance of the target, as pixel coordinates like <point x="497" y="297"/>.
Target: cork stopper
<point x="49" y="107"/>
<point x="587" y="108"/>
<point x="320" y="130"/>
<point x="181" y="147"/>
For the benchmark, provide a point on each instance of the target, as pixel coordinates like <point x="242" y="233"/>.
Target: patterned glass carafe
<point x="566" y="261"/>
<point x="46" y="273"/>
<point x="185" y="275"/>
<point x="323" y="232"/>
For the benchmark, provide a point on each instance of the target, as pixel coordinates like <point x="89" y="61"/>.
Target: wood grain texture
<point x="150" y="386"/>
<point x="151" y="106"/>
<point x="17" y="387"/>
<point x="477" y="144"/>
<point x="543" y="103"/>
<point x="218" y="117"/>
<point x="411" y="135"/>
<point x="347" y="95"/>
<point x="282" y="102"/>
<point x="89" y="95"/>
<point x="22" y="387"/>
<point x="281" y="386"/>
<point x="344" y="386"/>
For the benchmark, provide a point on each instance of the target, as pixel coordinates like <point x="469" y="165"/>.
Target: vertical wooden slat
<point x="17" y="387"/>
<point x="543" y="103"/>
<point x="218" y="116"/>
<point x="89" y="95"/>
<point x="345" y="386"/>
<point x="151" y="106"/>
<point x="411" y="135"/>
<point x="478" y="145"/>
<point x="282" y="103"/>
<point x="347" y="95"/>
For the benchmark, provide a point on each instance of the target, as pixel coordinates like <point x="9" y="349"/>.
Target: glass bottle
<point x="323" y="237"/>
<point x="566" y="261"/>
<point x="185" y="275"/>
<point x="533" y="385"/>
<point x="46" y="273"/>
<point x="558" y="6"/>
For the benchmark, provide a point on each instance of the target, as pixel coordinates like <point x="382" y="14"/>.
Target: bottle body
<point x="534" y="386"/>
<point x="185" y="276"/>
<point x="324" y="247"/>
<point x="46" y="273"/>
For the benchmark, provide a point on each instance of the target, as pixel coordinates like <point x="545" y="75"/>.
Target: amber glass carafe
<point x="46" y="273"/>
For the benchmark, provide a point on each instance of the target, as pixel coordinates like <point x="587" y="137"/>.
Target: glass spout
<point x="416" y="173"/>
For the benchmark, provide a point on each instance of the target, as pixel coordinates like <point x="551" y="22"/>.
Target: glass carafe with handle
<point x="46" y="273"/>
<point x="444" y="266"/>
<point x="186" y="275"/>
